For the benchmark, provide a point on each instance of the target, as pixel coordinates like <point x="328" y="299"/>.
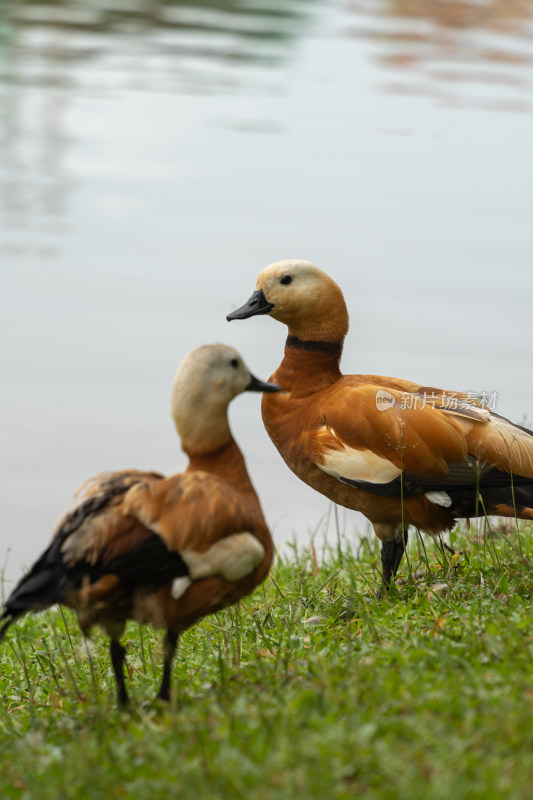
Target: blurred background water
<point x="155" y="156"/>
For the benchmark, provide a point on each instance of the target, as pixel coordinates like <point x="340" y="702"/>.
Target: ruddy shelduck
<point x="165" y="551"/>
<point x="399" y="452"/>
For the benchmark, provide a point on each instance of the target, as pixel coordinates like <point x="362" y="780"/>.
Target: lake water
<point x="154" y="157"/>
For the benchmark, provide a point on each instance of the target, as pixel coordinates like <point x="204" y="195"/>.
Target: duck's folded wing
<point x="372" y="436"/>
<point x="192" y="524"/>
<point x="202" y="518"/>
<point x="136" y="531"/>
<point x="95" y="546"/>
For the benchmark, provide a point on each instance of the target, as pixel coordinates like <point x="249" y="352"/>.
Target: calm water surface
<point x="155" y="156"/>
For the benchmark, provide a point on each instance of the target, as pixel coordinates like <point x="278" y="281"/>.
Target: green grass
<point x="427" y="693"/>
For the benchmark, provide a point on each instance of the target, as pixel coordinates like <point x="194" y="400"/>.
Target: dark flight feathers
<point x="52" y="576"/>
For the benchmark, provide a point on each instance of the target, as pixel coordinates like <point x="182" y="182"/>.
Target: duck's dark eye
<point x="286" y="279"/>
<point x="234" y="363"/>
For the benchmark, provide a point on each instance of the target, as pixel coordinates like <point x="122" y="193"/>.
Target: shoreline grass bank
<point x="310" y="688"/>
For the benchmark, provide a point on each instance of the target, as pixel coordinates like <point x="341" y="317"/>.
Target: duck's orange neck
<point x="228" y="463"/>
<point x="308" y="365"/>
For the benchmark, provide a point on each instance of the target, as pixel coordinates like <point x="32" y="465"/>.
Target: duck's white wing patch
<point x="358" y="465"/>
<point x="439" y="498"/>
<point x="180" y="586"/>
<point x="233" y="558"/>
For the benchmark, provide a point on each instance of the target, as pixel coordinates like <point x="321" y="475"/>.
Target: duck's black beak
<point x="256" y="385"/>
<point x="257" y="304"/>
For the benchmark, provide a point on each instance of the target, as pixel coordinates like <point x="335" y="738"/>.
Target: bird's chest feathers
<point x="291" y="423"/>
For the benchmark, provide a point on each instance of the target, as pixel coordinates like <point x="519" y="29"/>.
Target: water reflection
<point x="471" y="53"/>
<point x="141" y="45"/>
<point x="55" y="53"/>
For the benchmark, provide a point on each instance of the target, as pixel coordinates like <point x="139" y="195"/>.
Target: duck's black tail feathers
<point x="44" y="584"/>
<point x="39" y="589"/>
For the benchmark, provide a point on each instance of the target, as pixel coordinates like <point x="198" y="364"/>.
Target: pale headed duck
<point x="164" y="551"/>
<point x="399" y="452"/>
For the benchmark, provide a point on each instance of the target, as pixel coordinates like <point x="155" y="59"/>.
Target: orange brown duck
<point x="399" y="452"/>
<point x="164" y="551"/>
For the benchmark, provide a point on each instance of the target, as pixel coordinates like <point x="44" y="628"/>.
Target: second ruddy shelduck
<point x="399" y="452"/>
<point x="164" y="551"/>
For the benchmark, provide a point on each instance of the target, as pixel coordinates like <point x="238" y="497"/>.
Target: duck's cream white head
<point x="303" y="297"/>
<point x="206" y="382"/>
